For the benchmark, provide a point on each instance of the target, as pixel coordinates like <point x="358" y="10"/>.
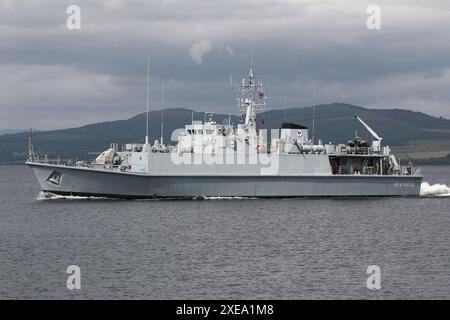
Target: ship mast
<point x="251" y="100"/>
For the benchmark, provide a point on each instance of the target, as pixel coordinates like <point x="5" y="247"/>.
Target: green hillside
<point x="411" y="134"/>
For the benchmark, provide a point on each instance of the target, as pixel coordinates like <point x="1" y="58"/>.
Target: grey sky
<point x="52" y="77"/>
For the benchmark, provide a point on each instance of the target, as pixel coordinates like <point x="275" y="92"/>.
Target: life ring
<point x="129" y="167"/>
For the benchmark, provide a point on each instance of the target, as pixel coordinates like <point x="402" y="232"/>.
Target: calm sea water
<point x="230" y="249"/>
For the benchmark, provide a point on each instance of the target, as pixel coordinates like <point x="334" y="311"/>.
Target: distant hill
<point x="10" y="131"/>
<point x="411" y="134"/>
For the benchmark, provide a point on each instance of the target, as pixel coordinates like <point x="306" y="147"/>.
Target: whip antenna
<point x="148" y="84"/>
<point x="314" y="112"/>
<point x="162" y="114"/>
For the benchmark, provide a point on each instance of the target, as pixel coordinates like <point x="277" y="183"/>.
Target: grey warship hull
<point x="80" y="181"/>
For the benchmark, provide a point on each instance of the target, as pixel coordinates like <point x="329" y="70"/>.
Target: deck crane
<point x="376" y="144"/>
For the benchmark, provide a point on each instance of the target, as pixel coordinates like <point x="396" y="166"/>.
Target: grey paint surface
<point x="82" y="181"/>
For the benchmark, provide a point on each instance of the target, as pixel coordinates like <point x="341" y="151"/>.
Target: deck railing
<point x="44" y="158"/>
<point x="372" y="171"/>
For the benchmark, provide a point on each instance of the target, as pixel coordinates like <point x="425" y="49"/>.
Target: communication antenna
<point x="30" y="145"/>
<point x="162" y="114"/>
<point x="148" y="84"/>
<point x="314" y="112"/>
<point x="284" y="105"/>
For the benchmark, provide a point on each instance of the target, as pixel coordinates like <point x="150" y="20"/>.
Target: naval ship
<point x="209" y="159"/>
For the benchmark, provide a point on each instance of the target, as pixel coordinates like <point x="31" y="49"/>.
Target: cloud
<point x="58" y="78"/>
<point x="199" y="49"/>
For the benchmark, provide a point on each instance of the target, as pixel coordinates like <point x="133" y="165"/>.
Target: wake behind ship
<point x="211" y="159"/>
